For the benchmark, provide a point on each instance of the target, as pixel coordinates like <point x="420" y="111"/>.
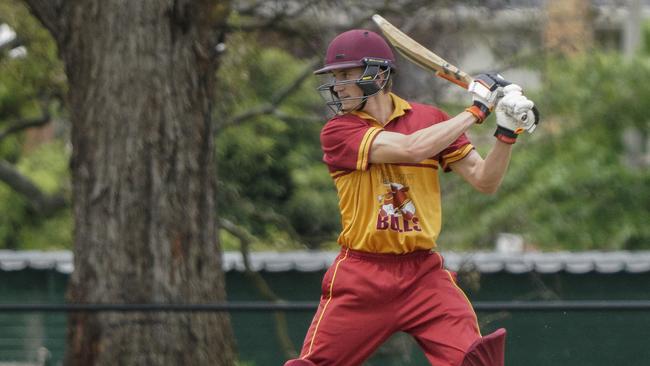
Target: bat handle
<point x="463" y="84"/>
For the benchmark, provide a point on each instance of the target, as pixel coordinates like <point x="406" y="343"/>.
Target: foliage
<point x="20" y="226"/>
<point x="568" y="186"/>
<point x="27" y="85"/>
<point x="271" y="179"/>
<point x="26" y="81"/>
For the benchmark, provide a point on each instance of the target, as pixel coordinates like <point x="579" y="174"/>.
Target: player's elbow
<point x="482" y="178"/>
<point x="485" y="185"/>
<point x="488" y="189"/>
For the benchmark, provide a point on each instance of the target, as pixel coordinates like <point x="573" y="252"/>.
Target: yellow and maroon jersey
<point x="387" y="208"/>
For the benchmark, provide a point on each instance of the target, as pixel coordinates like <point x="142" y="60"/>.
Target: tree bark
<point x="141" y="80"/>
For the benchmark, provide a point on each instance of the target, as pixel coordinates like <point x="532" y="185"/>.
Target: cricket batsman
<point x="384" y="155"/>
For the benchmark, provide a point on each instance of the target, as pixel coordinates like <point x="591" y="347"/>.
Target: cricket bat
<point x="420" y="55"/>
<point x="425" y="58"/>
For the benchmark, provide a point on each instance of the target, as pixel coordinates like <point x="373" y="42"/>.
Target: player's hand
<point x="514" y="114"/>
<point x="484" y="92"/>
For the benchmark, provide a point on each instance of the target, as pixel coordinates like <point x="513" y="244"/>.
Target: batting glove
<point x="514" y="115"/>
<point x="484" y="91"/>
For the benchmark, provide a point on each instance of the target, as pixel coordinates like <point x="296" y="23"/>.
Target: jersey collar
<point x="401" y="106"/>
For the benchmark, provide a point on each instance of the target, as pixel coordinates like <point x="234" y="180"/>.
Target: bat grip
<point x="463" y="84"/>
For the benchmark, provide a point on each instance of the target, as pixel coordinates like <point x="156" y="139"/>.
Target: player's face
<point x="346" y="88"/>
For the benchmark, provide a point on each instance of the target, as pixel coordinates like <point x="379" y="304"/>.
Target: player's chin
<point x="349" y="105"/>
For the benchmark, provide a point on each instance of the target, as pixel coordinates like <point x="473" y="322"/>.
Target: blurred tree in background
<point x="271" y="181"/>
<point x="35" y="176"/>
<point x="571" y="185"/>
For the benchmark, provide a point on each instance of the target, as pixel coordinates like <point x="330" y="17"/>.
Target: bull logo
<point x="396" y="209"/>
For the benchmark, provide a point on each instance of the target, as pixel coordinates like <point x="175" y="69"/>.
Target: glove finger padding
<point x="513" y="99"/>
<point x="514" y="114"/>
<point x="523" y="112"/>
<point x="512" y="89"/>
<point x="516" y="106"/>
<point x="522" y="105"/>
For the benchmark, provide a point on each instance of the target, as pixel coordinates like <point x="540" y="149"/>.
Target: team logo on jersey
<point x="396" y="210"/>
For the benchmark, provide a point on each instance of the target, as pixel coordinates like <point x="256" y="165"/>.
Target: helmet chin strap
<point x="362" y="105"/>
<point x="339" y="103"/>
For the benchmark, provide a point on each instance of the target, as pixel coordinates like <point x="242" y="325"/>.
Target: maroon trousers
<point x="367" y="297"/>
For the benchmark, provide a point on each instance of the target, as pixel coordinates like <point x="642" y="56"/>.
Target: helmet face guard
<point x="351" y="49"/>
<point x="370" y="82"/>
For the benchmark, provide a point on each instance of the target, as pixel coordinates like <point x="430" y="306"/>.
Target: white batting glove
<point x="514" y="114"/>
<point x="484" y="92"/>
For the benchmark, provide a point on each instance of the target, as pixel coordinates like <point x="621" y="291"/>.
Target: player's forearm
<point x="432" y="140"/>
<point x="491" y="172"/>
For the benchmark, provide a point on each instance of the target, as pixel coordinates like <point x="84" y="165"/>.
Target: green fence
<point x="541" y="337"/>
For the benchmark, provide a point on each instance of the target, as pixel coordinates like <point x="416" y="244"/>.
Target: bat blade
<point x="425" y="58"/>
<point x="420" y="55"/>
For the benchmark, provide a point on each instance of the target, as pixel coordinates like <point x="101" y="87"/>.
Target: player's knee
<point x="299" y="362"/>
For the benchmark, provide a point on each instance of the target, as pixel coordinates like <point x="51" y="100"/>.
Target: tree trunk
<point x="141" y="78"/>
<point x="569" y="29"/>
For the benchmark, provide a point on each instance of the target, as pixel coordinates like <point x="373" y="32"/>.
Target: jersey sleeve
<point x="454" y="152"/>
<point x="346" y="143"/>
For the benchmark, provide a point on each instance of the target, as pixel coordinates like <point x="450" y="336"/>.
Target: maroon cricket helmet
<point x="353" y="48"/>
